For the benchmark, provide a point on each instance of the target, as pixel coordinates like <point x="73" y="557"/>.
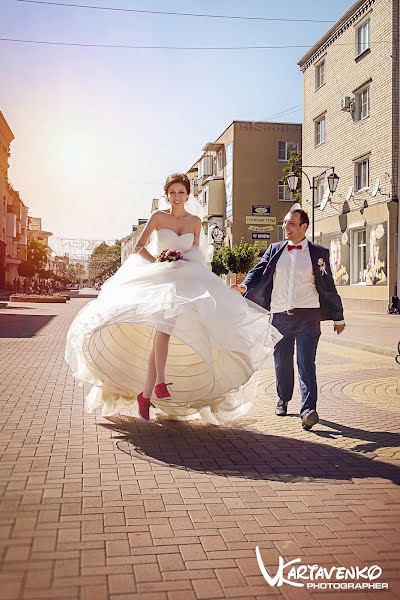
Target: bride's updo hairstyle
<point x="177" y="178"/>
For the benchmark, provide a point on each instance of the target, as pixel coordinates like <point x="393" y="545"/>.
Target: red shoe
<point x="162" y="392"/>
<point x="144" y="407"/>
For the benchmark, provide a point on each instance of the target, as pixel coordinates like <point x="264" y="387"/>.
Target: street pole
<point x="312" y="209"/>
<point x="332" y="181"/>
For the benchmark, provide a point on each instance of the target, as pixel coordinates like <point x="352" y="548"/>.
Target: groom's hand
<point x="239" y="288"/>
<point x="339" y="328"/>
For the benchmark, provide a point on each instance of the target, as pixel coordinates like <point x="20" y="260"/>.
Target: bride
<point x="156" y="320"/>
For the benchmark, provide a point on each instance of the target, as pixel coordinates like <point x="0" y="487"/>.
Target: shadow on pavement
<point x="79" y="296"/>
<point x="234" y="452"/>
<point x="375" y="439"/>
<point x="22" y="326"/>
<point x="83" y="293"/>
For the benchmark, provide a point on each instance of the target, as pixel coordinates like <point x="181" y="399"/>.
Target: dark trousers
<point x="304" y="328"/>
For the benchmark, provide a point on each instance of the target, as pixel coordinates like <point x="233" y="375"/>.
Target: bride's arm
<point x="197" y="231"/>
<point x="140" y="246"/>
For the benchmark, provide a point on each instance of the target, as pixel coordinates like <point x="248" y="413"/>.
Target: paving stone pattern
<point x="96" y="509"/>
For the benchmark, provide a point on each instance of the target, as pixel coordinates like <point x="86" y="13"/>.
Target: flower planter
<point x="38" y="298"/>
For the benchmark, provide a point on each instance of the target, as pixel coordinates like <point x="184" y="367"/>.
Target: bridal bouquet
<point x="169" y="256"/>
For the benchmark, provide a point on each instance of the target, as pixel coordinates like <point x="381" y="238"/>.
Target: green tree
<point x="104" y="261"/>
<point x="294" y="165"/>
<point x="75" y="272"/>
<point x="37" y="254"/>
<point x="45" y="274"/>
<point x="26" y="269"/>
<point x="242" y="257"/>
<point x="218" y="262"/>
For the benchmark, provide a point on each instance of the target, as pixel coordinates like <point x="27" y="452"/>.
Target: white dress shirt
<point x="294" y="282"/>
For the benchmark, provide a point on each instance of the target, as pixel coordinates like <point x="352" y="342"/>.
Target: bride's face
<point x="177" y="194"/>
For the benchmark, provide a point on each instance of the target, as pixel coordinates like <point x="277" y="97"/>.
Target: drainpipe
<point x="398" y="158"/>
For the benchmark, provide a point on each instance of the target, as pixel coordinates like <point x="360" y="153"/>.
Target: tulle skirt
<point x="219" y="341"/>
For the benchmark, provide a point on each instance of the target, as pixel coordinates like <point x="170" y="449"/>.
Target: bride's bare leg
<point x="151" y="375"/>
<point x="161" y="341"/>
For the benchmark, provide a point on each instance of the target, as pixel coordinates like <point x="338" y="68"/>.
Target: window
<point x="319" y="74"/>
<point x="281" y="233"/>
<point x="285" y="150"/>
<point x="284" y="193"/>
<point x="221" y="160"/>
<point x="362" y="104"/>
<point x="362" y="38"/>
<point x="359" y="256"/>
<point x="320" y="131"/>
<point x="361" y="175"/>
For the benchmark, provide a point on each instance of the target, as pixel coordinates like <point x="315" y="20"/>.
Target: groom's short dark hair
<point x="303" y="216"/>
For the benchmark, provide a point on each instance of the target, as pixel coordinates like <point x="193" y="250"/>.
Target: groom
<point x="294" y="281"/>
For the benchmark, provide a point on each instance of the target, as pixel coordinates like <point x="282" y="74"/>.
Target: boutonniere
<point x="322" y="266"/>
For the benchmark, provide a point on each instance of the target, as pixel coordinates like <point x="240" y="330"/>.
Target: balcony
<point x="11" y="225"/>
<point x="206" y="167"/>
<point x="213" y="195"/>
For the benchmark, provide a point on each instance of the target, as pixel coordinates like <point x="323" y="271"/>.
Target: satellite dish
<point x="295" y="206"/>
<point x="375" y="187"/>
<point x="349" y="192"/>
<point x="325" y="197"/>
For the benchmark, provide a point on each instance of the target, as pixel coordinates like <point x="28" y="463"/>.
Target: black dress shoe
<point x="309" y="419"/>
<point x="281" y="408"/>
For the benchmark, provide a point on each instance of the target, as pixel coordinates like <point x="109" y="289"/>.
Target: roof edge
<point x="334" y="31"/>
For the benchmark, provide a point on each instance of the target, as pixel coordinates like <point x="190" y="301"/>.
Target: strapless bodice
<point x="166" y="238"/>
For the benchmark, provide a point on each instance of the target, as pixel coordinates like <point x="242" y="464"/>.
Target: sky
<point x="97" y="130"/>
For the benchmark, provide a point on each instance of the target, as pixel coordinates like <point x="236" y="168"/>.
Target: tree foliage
<point x="45" y="274"/>
<point x="75" y="272"/>
<point x="104" y="261"/>
<point x="37" y="254"/>
<point x="241" y="258"/>
<point x="26" y="269"/>
<point x="294" y="165"/>
<point x="218" y="264"/>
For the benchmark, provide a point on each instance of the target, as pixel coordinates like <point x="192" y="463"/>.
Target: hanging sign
<point x="260" y="236"/>
<point x="261" y="228"/>
<point x="260" y="220"/>
<point x="260" y="209"/>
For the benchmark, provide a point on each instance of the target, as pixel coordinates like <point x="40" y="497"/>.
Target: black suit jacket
<point x="260" y="280"/>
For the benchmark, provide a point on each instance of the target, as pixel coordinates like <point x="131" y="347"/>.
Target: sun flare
<point x="76" y="157"/>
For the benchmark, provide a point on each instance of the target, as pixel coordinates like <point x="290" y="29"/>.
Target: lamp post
<point x="333" y="180"/>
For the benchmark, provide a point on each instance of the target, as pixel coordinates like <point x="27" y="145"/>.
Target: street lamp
<point x="333" y="180"/>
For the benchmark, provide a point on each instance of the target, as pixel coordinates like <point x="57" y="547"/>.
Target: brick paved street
<point x="95" y="509"/>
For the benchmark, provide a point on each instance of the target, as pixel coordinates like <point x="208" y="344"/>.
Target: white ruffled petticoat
<point x="219" y="340"/>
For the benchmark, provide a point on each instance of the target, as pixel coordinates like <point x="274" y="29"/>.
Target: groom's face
<point x="294" y="231"/>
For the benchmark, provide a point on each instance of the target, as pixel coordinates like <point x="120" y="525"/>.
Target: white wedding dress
<point x="219" y="340"/>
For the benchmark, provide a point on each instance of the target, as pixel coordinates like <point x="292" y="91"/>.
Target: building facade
<point x="128" y="242"/>
<point x="351" y="123"/>
<point x="6" y="137"/>
<point x="37" y="234"/>
<point x="238" y="181"/>
<point x="16" y="235"/>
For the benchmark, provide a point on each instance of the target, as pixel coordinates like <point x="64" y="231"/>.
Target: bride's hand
<point x="239" y="288"/>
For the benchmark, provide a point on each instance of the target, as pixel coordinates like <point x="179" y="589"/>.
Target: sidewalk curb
<point x="360" y="346"/>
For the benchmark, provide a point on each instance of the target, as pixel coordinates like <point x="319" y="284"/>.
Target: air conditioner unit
<point x="345" y="103"/>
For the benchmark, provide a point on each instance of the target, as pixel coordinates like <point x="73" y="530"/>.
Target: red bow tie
<point x="294" y="248"/>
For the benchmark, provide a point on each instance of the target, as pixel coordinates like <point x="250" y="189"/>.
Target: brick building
<point x="6" y="137"/>
<point x="351" y="122"/>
